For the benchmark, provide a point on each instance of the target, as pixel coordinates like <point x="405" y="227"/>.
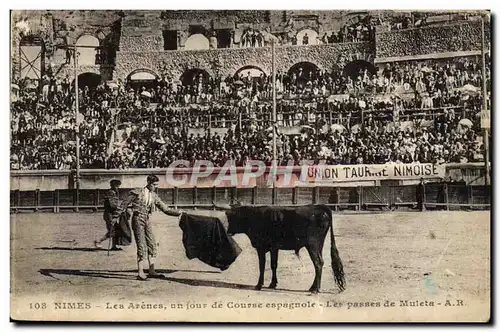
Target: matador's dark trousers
<point x="144" y="237"/>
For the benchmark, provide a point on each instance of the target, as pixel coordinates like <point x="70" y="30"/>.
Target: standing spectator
<point x="420" y="195"/>
<point x="305" y="39"/>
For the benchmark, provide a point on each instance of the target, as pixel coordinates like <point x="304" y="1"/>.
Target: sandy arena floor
<point x="386" y="258"/>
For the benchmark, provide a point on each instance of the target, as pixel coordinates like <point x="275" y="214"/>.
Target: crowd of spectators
<point x="43" y="126"/>
<point x="202" y="89"/>
<point x="440" y="141"/>
<point x="363" y="30"/>
<point x="130" y="126"/>
<point x="358" y="29"/>
<point x="443" y="142"/>
<point x="433" y="76"/>
<point x="427" y="79"/>
<point x="252" y="38"/>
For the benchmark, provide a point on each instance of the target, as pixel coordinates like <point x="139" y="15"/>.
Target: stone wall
<point x="204" y="16"/>
<point x="142" y="44"/>
<point x="153" y="22"/>
<point x="147" y="26"/>
<point x="457" y="37"/>
<point x="135" y="38"/>
<point x="174" y="63"/>
<point x="56" y="28"/>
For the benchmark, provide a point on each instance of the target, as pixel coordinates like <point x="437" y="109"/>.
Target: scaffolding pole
<point x="485" y="104"/>
<point x="275" y="154"/>
<point x="77" y="124"/>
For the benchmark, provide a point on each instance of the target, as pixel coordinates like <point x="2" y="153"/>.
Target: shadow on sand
<point x="130" y="275"/>
<point x="107" y="274"/>
<point x="89" y="249"/>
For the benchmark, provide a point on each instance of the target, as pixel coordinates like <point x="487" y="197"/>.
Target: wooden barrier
<point x="449" y="196"/>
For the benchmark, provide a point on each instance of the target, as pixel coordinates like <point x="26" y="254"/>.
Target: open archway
<point x="307" y="37"/>
<point x="254" y="71"/>
<point x="197" y="41"/>
<point x="194" y="76"/>
<point x="88" y="49"/>
<point x="303" y="71"/>
<point x="90" y="80"/>
<point x="140" y="78"/>
<point x="357" y="67"/>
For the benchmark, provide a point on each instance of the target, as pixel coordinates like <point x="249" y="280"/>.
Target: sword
<point x="111" y="235"/>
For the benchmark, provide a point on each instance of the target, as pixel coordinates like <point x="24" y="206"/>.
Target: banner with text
<point x="329" y="173"/>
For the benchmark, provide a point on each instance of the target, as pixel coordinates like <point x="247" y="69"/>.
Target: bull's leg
<point x="274" y="266"/>
<point x="262" y="267"/>
<point x="317" y="259"/>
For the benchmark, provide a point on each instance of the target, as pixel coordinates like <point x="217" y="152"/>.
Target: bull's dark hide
<point x="273" y="228"/>
<point x="206" y="238"/>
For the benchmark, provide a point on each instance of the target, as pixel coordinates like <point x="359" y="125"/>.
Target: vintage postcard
<point x="250" y="166"/>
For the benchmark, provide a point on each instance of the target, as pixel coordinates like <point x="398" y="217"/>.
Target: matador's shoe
<point x="140" y="268"/>
<point x="153" y="274"/>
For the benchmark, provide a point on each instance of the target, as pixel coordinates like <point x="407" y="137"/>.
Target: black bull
<point x="288" y="228"/>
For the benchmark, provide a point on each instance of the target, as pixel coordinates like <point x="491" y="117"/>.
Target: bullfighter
<point x="142" y="202"/>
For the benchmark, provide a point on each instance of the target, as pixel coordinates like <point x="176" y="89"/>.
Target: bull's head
<point x="238" y="219"/>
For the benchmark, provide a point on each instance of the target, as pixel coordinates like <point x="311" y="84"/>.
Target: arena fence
<point x="439" y="196"/>
<point x="294" y="118"/>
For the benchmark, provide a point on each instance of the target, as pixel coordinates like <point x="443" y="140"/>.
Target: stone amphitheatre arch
<point x="305" y="65"/>
<point x="311" y="34"/>
<point x="197" y="41"/>
<point x="87" y="55"/>
<point x="189" y="76"/>
<point x="253" y="69"/>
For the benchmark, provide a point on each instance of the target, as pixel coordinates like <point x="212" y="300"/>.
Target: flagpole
<point x="274" y="112"/>
<point x="77" y="125"/>
<point x="485" y="104"/>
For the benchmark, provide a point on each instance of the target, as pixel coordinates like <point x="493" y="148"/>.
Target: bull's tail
<point x="337" y="267"/>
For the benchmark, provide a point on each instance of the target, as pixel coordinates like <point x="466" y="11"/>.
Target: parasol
<point x="306" y="129"/>
<point x="146" y="94"/>
<point x="465" y="123"/>
<point x="324" y="129"/>
<point x="427" y="70"/>
<point x="426" y="124"/>
<point x="469" y="89"/>
<point x="337" y="127"/>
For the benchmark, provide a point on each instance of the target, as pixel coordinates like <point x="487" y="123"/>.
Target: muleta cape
<point x="206" y="238"/>
<point x="121" y="230"/>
